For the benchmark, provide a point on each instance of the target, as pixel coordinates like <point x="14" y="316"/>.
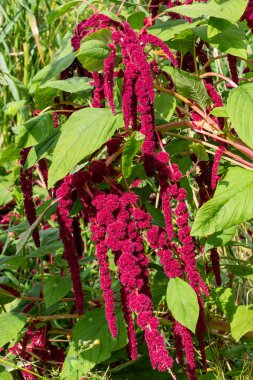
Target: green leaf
<point x="230" y="205"/>
<point x="92" y="53"/>
<point x="200" y="151"/>
<point x="72" y="85"/>
<point x="140" y="369"/>
<point x="183" y="303"/>
<point x="169" y="29"/>
<point x="240" y="111"/>
<point x="220" y="111"/>
<point x="225" y="300"/>
<point x="93" y="49"/>
<point x="40" y="150"/>
<point x="60" y="63"/>
<point x="82" y="134"/>
<point x="220" y="238"/>
<point x="136" y="20"/>
<point x="104" y="35"/>
<point x="216" y="26"/>
<point x="12" y="108"/>
<point x="157" y="215"/>
<point x="62" y="9"/>
<point x="111" y="15"/>
<point x="232" y="40"/>
<point x="25" y="235"/>
<point x="230" y="10"/>
<point x="10" y="153"/>
<point x="241" y="270"/>
<point x="92" y="336"/>
<point x="35" y="130"/>
<point x="165" y="106"/>
<point x="56" y="288"/>
<point x="242" y="321"/>
<point x="192" y="87"/>
<point x="5" y="375"/>
<point x="10" y="325"/>
<point x="131" y="147"/>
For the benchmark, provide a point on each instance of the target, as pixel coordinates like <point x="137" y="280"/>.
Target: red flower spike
<point x="217" y="158"/>
<point x="109" y="64"/>
<point x="215" y="260"/>
<point x="65" y="204"/>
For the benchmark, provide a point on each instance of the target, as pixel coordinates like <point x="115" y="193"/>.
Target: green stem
<point x="22" y="369"/>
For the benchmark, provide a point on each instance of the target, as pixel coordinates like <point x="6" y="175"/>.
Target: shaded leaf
<point x="56" y="288"/>
<point x="131" y="147"/>
<point x="10" y="325"/>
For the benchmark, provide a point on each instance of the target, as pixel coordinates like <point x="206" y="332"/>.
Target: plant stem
<point x="223" y="77"/>
<point x="43" y="318"/>
<point x="22" y="369"/>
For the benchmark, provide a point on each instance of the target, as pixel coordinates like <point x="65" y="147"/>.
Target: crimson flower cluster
<point x="117" y="225"/>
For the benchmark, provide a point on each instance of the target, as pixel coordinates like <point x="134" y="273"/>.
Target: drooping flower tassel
<point x="65" y="204"/>
<point x="217" y="158"/>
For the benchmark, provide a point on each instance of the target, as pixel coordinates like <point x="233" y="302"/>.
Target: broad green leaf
<point x="10" y="325"/>
<point x="183" y="303"/>
<point x="230" y="205"/>
<point x="241" y="270"/>
<point x="62" y="9"/>
<point x="111" y="15"/>
<point x="10" y="153"/>
<point x="46" y="249"/>
<point x="225" y="300"/>
<point x="231" y="41"/>
<point x="60" y="63"/>
<point x="156" y="213"/>
<point x="168" y="29"/>
<point x="191" y="87"/>
<point x="240" y="112"/>
<point x="216" y="26"/>
<point x="56" y="288"/>
<point x="140" y="369"/>
<point x="5" y="196"/>
<point x="220" y="238"/>
<point x="35" y="130"/>
<point x="230" y="10"/>
<point x="82" y="134"/>
<point x="131" y="147"/>
<point x="165" y="106"/>
<point x="25" y="235"/>
<point x="200" y="151"/>
<point x="104" y="35"/>
<point x="136" y="20"/>
<point x="12" y="108"/>
<point x="72" y="85"/>
<point x="92" y="54"/>
<point x="4" y="374"/>
<point x="42" y="149"/>
<point x="159" y="287"/>
<point x="242" y="321"/>
<point x="91" y="334"/>
<point x="220" y="112"/>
